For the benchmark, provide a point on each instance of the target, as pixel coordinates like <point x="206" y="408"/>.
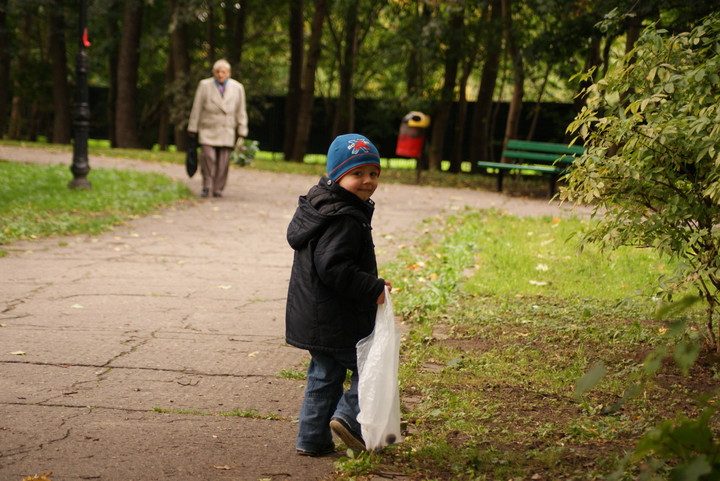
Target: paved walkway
<point x="156" y="351"/>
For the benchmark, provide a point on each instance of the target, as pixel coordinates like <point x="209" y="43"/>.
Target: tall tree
<point x="307" y="91"/>
<point x="236" y="14"/>
<point x="455" y="34"/>
<point x="17" y="126"/>
<point x="179" y="59"/>
<point x="297" y="56"/>
<point x="61" y="92"/>
<point x="5" y="62"/>
<point x="457" y="152"/>
<point x="518" y="70"/>
<point x="480" y="140"/>
<point x="126" y="118"/>
<point x="346" y="51"/>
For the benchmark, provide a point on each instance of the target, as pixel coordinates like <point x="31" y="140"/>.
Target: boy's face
<point x="361" y="181"/>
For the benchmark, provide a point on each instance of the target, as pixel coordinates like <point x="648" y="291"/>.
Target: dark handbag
<point x="191" y="159"/>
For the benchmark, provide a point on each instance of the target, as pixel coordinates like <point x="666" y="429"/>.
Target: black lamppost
<point x="81" y="121"/>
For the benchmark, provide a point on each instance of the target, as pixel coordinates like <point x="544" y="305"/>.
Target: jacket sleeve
<point x="241" y="113"/>
<point x="197" y="106"/>
<point x="337" y="263"/>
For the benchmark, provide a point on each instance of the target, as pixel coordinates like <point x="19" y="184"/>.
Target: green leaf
<point x="653" y="361"/>
<point x="674" y="308"/>
<point x="590" y="379"/>
<point x="685" y="354"/>
<point x="692" y="471"/>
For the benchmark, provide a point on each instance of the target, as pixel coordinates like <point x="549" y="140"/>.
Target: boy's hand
<point x="381" y="297"/>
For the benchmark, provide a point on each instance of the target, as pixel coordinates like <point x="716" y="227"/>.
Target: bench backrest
<point x="550" y="147"/>
<point x="542" y="151"/>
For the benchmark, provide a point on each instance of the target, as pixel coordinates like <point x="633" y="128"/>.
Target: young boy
<point x="334" y="291"/>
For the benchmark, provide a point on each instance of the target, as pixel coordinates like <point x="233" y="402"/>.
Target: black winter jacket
<point x="334" y="285"/>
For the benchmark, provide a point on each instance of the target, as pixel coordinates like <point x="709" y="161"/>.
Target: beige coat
<point x="218" y="118"/>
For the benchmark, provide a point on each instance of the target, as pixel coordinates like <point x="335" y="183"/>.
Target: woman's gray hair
<point x="222" y="63"/>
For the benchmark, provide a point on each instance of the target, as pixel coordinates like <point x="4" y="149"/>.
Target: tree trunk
<point x="292" y="102"/>
<point x="307" y="92"/>
<point x="415" y="73"/>
<point x="18" y="121"/>
<point x="164" y="120"/>
<point x="180" y="62"/>
<point x="458" y="152"/>
<point x="237" y="23"/>
<point x="632" y="34"/>
<point x="513" y="119"/>
<point x="592" y="60"/>
<point x="126" y="124"/>
<point x="538" y="104"/>
<point x="62" y="121"/>
<point x="5" y="62"/>
<point x="210" y="31"/>
<point x="442" y="114"/>
<point x="111" y="26"/>
<point x="481" y="141"/>
<point x="344" y="121"/>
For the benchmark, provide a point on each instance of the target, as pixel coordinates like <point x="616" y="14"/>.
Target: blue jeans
<point x="324" y="398"/>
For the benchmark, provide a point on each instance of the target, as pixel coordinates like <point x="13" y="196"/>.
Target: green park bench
<point x="536" y="158"/>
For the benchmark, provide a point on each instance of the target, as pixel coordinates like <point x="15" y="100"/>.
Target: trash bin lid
<point x="417" y="119"/>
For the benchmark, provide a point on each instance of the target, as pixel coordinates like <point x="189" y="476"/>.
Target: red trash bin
<point x="411" y="139"/>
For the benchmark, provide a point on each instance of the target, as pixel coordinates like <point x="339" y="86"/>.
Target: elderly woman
<point x="218" y="115"/>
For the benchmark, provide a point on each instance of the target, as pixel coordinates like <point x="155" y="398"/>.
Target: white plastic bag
<point x="378" y="395"/>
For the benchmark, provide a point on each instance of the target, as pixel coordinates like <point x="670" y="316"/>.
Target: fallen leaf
<point x="77" y="306"/>
<point x="18" y="353"/>
<point x="224" y="468"/>
<point x="42" y="477"/>
<point x="224" y="287"/>
<point x="253" y="354"/>
<point x="539" y="283"/>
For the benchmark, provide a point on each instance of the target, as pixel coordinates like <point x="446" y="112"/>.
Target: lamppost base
<point x="80" y="184"/>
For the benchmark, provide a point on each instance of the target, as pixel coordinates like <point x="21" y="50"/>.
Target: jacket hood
<point x="319" y="206"/>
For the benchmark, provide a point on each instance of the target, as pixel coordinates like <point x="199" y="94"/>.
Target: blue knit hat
<point x="348" y="152"/>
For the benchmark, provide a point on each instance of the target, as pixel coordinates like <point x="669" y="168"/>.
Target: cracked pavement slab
<point x="156" y="351"/>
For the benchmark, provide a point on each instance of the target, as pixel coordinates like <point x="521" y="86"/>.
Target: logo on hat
<point x="358" y="145"/>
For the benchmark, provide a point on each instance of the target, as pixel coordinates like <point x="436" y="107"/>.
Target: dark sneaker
<point x="205" y="192"/>
<point x="351" y="439"/>
<point x="314" y="454"/>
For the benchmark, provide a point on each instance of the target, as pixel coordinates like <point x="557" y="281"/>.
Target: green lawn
<point x="503" y="316"/>
<point x="36" y="202"/>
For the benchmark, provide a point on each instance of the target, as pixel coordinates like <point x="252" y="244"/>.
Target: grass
<point x="395" y="170"/>
<point x="495" y="345"/>
<point x="36" y="202"/>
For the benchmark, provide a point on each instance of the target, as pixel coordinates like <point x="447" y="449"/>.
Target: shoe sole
<point x="313" y="454"/>
<point x="347" y="437"/>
